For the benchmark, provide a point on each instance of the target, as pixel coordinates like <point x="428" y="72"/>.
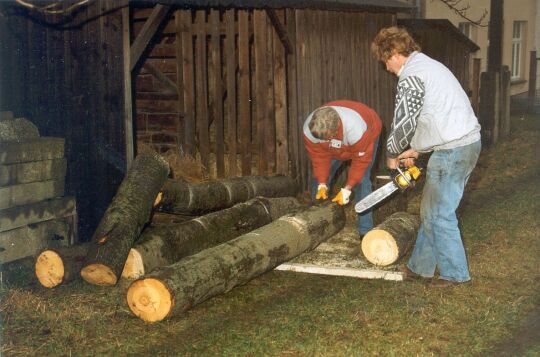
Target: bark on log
<point x="181" y="197"/>
<point x="176" y="288"/>
<point x="164" y="245"/>
<point x="18" y="130"/>
<point x="124" y="219"/>
<point x="60" y="265"/>
<point x="390" y="240"/>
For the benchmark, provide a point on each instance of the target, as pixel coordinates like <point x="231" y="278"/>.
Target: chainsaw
<point x="402" y="179"/>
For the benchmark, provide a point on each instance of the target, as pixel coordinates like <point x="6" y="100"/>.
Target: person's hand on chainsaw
<point x="322" y="192"/>
<point x="342" y="198"/>
<point x="407" y="157"/>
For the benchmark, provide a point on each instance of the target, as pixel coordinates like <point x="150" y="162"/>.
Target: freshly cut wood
<point x="166" y="244"/>
<point x="32" y="171"/>
<point x="174" y="289"/>
<point x="181" y="197"/>
<point x="55" y="266"/>
<point x="19" y="129"/>
<point x="124" y="219"/>
<point x="391" y="239"/>
<point x="44" y="148"/>
<point x="28" y="240"/>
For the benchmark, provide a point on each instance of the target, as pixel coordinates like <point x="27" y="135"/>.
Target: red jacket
<point x="359" y="152"/>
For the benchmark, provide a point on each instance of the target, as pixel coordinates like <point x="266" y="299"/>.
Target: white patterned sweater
<point x="432" y="111"/>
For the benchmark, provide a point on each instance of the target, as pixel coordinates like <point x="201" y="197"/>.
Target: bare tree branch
<point x="461" y="10"/>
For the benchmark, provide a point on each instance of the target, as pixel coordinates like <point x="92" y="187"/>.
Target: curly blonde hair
<point x="391" y="40"/>
<point x="324" y="121"/>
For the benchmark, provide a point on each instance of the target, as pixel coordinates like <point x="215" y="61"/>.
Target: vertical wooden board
<point x="295" y="136"/>
<point x="230" y="58"/>
<point x="270" y="124"/>
<point x="216" y="97"/>
<point x="280" y="100"/>
<point x="301" y="21"/>
<point x="129" y="112"/>
<point x="202" y="88"/>
<point x="184" y="30"/>
<point x="179" y="51"/>
<point x="244" y="99"/>
<point x="261" y="88"/>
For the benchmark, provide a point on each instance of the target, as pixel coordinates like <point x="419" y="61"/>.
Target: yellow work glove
<point x="342" y="197"/>
<point x="322" y="192"/>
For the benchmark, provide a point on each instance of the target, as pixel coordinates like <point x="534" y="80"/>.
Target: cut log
<point x="181" y="197"/>
<point x="390" y="240"/>
<point x="18" y="130"/>
<point x="164" y="245"/>
<point x="60" y="265"/>
<point x="124" y="219"/>
<point x="174" y="289"/>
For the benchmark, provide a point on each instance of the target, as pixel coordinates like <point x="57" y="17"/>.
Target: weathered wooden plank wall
<point x="67" y="79"/>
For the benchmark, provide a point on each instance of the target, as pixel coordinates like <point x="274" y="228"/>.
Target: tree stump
<point x="390" y="240"/>
<point x="124" y="219"/>
<point x="184" y="198"/>
<point x="166" y="244"/>
<point x="174" y="289"/>
<point x="60" y="265"/>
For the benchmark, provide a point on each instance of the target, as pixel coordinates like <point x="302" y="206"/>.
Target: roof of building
<point x="441" y="24"/>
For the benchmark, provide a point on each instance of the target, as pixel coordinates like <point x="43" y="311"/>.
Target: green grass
<point x="288" y="314"/>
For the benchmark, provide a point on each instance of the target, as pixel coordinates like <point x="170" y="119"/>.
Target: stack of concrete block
<point x="34" y="213"/>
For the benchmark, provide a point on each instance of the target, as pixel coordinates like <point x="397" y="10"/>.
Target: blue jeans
<point x="361" y="190"/>
<point x="438" y="243"/>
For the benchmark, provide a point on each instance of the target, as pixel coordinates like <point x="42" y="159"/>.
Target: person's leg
<point x="361" y="190"/>
<point x="452" y="176"/>
<point x="334" y="166"/>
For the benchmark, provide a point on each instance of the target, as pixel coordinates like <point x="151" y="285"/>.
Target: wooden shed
<point x="441" y="40"/>
<point x="228" y="82"/>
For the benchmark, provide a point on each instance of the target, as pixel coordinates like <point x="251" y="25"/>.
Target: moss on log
<point x="181" y="197"/>
<point x="389" y="241"/>
<point x="19" y="129"/>
<point x="174" y="289"/>
<point x="124" y="219"/>
<point x="166" y="244"/>
<point x="55" y="266"/>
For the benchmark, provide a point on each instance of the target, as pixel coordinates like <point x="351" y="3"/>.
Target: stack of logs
<point x="250" y="226"/>
<point x="34" y="213"/>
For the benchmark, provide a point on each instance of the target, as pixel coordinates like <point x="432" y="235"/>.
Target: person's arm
<point x="320" y="160"/>
<point x="409" y="102"/>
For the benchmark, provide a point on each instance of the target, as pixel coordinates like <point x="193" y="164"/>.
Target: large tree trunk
<point x="181" y="197"/>
<point x="124" y="219"/>
<point x="166" y="244"/>
<point x="392" y="239"/>
<point x="176" y="288"/>
<point x="60" y="265"/>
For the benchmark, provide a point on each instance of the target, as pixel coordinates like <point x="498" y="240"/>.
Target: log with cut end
<point x="166" y="244"/>
<point x="174" y="289"/>
<point x="181" y="197"/>
<point x="60" y="265"/>
<point x="391" y="240"/>
<point x="124" y="219"/>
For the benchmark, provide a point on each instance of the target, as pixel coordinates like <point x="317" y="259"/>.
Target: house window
<point x="517" y="48"/>
<point x="465" y="28"/>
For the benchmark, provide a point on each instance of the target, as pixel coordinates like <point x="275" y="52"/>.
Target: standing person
<point x="339" y="131"/>
<point x="432" y="114"/>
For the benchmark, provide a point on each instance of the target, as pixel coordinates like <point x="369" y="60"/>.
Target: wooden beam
<point x="341" y="271"/>
<point x="161" y="77"/>
<point x="128" y="91"/>
<point x="280" y="30"/>
<point x="244" y="97"/>
<point x="230" y="59"/>
<point x="183" y="28"/>
<point x="148" y="31"/>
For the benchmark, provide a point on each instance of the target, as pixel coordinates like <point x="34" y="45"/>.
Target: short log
<point x="166" y="244"/>
<point x="55" y="266"/>
<point x="391" y="240"/>
<point x="124" y="219"/>
<point x="174" y="289"/>
<point x="19" y="129"/>
<point x="184" y="198"/>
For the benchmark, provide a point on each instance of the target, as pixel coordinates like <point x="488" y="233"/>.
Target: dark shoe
<point x="442" y="283"/>
<point x="410" y="275"/>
